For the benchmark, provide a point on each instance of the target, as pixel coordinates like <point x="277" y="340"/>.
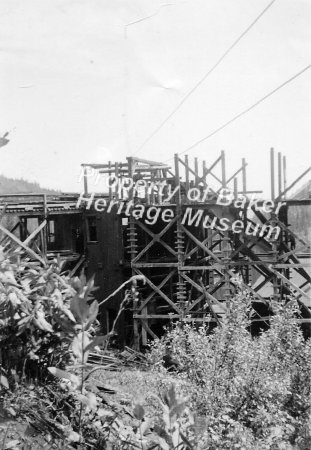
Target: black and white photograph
<point x="155" y="224"/>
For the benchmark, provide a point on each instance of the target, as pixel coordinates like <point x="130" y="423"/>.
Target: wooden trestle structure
<point x="191" y="266"/>
<point x="190" y="269"/>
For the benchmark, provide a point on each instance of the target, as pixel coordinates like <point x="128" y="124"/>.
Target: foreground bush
<point x="36" y="322"/>
<point x="250" y="392"/>
<point x="233" y="391"/>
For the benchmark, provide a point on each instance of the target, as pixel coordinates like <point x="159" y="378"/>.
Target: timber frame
<point x="191" y="270"/>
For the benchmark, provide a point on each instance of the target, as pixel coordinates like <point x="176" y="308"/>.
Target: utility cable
<point x="195" y="87"/>
<point x="245" y="111"/>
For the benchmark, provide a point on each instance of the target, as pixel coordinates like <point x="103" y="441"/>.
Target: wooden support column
<point x="85" y="181"/>
<point x="181" y="289"/>
<point x="226" y="250"/>
<point x="235" y="187"/>
<point x="279" y="173"/>
<point x="132" y="240"/>
<point x="272" y="173"/>
<point x="275" y="257"/>
<point x="196" y="169"/>
<point x="110" y="188"/>
<point x="223" y="169"/>
<point x="187" y="173"/>
<point x="284" y="176"/>
<point x="244" y="188"/>
<point x="117" y="188"/>
<point x="43" y="232"/>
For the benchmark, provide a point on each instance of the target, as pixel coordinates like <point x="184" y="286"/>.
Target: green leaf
<point x="79" y="346"/>
<point x="79" y="308"/>
<point x="4" y="381"/>
<point x="63" y="374"/>
<point x="170" y="397"/>
<point x="11" y="444"/>
<point x="178" y="409"/>
<point x="92" y="313"/>
<point x="89" y="400"/>
<point x="89" y="286"/>
<point x="138" y="412"/>
<point x="98" y="340"/>
<point x="185" y="440"/>
<point x="73" y="436"/>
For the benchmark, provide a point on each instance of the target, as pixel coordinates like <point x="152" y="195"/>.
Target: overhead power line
<point x="195" y="87"/>
<point x="245" y="111"/>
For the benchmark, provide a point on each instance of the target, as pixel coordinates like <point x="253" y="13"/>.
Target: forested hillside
<point x="21" y="186"/>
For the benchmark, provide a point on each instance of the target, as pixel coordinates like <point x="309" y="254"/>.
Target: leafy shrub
<point x="36" y="323"/>
<point x="249" y="391"/>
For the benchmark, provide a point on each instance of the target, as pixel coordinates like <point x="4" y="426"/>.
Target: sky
<point x="87" y="81"/>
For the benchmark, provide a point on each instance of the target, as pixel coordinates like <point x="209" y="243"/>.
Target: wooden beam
<point x="290" y="283"/>
<point x="292" y="184"/>
<point x="155" y="238"/>
<point x="150" y="296"/>
<point x="21" y="244"/>
<point x="158" y="291"/>
<point x="208" y="298"/>
<point x="32" y="235"/>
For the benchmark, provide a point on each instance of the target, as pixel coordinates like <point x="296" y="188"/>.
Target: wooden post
<point x="85" y="181"/>
<point x="117" y="188"/>
<point x="279" y="173"/>
<point x="272" y="173"/>
<point x="196" y="169"/>
<point x="226" y="261"/>
<point x="110" y="188"/>
<point x="284" y="176"/>
<point x="132" y="238"/>
<point x="187" y="173"/>
<point x="223" y="169"/>
<point x="181" y="290"/>
<point x="244" y="189"/>
<point x="235" y="187"/>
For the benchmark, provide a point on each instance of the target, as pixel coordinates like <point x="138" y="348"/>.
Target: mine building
<point x="191" y="228"/>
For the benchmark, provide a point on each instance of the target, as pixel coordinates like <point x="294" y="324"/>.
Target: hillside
<point x="21" y="186"/>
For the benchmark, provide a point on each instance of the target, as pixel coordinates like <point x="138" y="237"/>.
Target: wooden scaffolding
<point x="191" y="270"/>
<point x="177" y="240"/>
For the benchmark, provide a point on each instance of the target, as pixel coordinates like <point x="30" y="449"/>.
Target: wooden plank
<point x="292" y="184"/>
<point x="244" y="164"/>
<point x="156" y="316"/>
<point x="150" y="296"/>
<point x="186" y="164"/>
<point x="279" y="173"/>
<point x="32" y="235"/>
<point x="148" y="330"/>
<point x="21" y="244"/>
<point x="200" y="179"/>
<point x="208" y="298"/>
<point x="287" y="281"/>
<point x="142" y="265"/>
<point x="199" y="288"/>
<point x="158" y="291"/>
<point x="199" y="244"/>
<point x="223" y="168"/>
<point x="196" y="169"/>
<point x="235" y="174"/>
<point x="11" y="231"/>
<point x="155" y="238"/>
<point x="290" y="266"/>
<point x="272" y="174"/>
<point x="148" y="161"/>
<point x="76" y="267"/>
